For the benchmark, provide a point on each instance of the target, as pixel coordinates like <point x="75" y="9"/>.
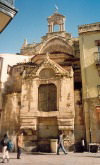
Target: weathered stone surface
<point x="89" y="48"/>
<point x="45" y="99"/>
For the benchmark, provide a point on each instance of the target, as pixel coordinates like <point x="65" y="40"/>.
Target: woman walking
<point x="5" y="151"/>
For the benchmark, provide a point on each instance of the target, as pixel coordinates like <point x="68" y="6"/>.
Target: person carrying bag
<point x="5" y="151"/>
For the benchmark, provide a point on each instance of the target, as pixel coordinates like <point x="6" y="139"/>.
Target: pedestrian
<point x="61" y="143"/>
<point x="19" y="144"/>
<point x="5" y="152"/>
<point x="82" y="144"/>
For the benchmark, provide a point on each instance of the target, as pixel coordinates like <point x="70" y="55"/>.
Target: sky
<point x="31" y="20"/>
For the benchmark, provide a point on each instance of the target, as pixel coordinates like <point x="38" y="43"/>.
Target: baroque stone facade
<point x="45" y="94"/>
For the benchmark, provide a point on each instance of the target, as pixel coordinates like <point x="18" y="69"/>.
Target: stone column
<point x="60" y="27"/>
<point x="52" y="28"/>
<point x="63" y="27"/>
<point x="49" y="28"/>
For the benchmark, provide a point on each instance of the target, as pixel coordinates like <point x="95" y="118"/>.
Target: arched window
<point x="47" y="97"/>
<point x="56" y="28"/>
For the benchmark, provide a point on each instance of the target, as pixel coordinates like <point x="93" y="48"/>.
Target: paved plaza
<point x="53" y="159"/>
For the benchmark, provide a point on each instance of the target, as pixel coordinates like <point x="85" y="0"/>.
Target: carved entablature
<point x="89" y="28"/>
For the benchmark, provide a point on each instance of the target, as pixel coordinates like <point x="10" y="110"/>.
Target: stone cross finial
<point x="56" y="9"/>
<point x="34" y="42"/>
<point x="47" y="56"/>
<point x="25" y="42"/>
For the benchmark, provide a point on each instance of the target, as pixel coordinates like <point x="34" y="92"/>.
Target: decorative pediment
<point x="48" y="69"/>
<point x="48" y="63"/>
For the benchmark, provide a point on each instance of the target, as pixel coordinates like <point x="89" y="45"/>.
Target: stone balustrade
<point x="89" y="28"/>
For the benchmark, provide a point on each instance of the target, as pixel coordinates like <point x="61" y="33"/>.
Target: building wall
<point x="90" y="76"/>
<point x="10" y="115"/>
<point x="31" y="118"/>
<point x="90" y="80"/>
<point x="10" y="60"/>
<point x="79" y="128"/>
<point x="63" y="54"/>
<point x="38" y="121"/>
<point x="7" y="60"/>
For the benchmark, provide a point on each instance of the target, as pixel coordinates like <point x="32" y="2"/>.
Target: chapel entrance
<point x="47" y="129"/>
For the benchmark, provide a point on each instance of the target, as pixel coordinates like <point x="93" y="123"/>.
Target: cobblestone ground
<point x="53" y="159"/>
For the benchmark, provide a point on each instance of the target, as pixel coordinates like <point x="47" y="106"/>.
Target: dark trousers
<point x="19" y="152"/>
<point x="62" y="147"/>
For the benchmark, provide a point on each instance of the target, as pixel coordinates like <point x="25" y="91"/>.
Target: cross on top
<point x="56" y="9"/>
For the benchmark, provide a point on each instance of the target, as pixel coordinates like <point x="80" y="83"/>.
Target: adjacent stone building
<point x="46" y="94"/>
<point x="90" y="68"/>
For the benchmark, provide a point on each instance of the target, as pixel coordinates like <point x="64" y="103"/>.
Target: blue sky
<point x="31" y="20"/>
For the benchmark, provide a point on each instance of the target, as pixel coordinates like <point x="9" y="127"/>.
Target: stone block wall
<point x="79" y="117"/>
<point x="10" y="114"/>
<point x="92" y="120"/>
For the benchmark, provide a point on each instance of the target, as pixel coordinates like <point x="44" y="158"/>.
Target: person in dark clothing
<point x="5" y="151"/>
<point x="19" y="144"/>
<point x="61" y="144"/>
<point x="82" y="144"/>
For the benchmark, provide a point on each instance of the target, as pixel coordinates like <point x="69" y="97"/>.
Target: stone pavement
<point x="53" y="159"/>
